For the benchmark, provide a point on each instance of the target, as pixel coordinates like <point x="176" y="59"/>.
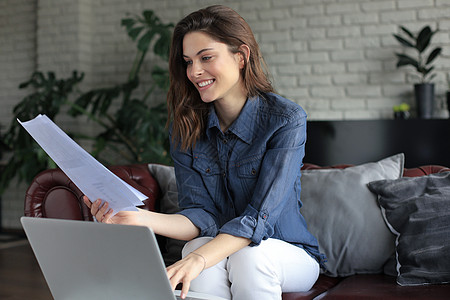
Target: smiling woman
<point x="233" y="142"/>
<point x="215" y="72"/>
<point x="225" y="36"/>
<point x="232" y="139"/>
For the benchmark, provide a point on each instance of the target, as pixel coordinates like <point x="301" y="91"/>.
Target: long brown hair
<point x="186" y="109"/>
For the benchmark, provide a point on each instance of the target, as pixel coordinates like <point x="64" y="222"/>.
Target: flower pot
<point x="403" y="115"/>
<point x="424" y="93"/>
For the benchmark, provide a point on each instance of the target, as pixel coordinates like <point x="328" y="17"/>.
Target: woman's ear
<point x="245" y="55"/>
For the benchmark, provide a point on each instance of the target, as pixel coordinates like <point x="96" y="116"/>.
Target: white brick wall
<point x="17" y="62"/>
<point x="17" y="52"/>
<point x="334" y="57"/>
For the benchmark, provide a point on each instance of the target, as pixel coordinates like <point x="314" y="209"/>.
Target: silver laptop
<point x="87" y="260"/>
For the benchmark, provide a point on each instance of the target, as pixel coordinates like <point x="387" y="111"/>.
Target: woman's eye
<point x="206" y="57"/>
<point x="188" y="62"/>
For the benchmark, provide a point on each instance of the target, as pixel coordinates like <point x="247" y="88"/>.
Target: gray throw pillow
<point x="165" y="176"/>
<point x="417" y="210"/>
<point x="344" y="215"/>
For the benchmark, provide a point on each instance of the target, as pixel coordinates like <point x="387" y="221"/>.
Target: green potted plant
<point x="25" y="157"/>
<point x="420" y="42"/>
<point x="132" y="129"/>
<point x="401" y="111"/>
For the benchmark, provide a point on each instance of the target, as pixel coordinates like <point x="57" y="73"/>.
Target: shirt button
<point x="225" y="141"/>
<point x="253" y="172"/>
<point x="208" y="170"/>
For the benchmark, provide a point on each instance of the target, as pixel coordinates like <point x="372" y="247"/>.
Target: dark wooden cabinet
<point x="423" y="141"/>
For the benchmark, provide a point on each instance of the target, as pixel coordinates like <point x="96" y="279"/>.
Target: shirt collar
<point x="242" y="127"/>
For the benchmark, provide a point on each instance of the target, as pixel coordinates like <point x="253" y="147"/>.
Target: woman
<point x="237" y="149"/>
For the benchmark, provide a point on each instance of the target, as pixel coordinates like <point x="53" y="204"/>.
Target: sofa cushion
<point x="417" y="210"/>
<point x="322" y="285"/>
<point x="165" y="176"/>
<point x="344" y="215"/>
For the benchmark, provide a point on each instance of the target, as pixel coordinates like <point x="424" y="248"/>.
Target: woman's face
<point x="212" y="68"/>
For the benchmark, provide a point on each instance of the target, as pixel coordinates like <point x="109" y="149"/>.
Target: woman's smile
<point x="205" y="83"/>
<point x="213" y="69"/>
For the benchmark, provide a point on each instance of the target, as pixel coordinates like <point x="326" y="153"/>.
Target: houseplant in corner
<point x="422" y="62"/>
<point x="132" y="129"/>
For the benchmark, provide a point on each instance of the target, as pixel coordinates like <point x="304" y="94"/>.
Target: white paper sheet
<point x="89" y="175"/>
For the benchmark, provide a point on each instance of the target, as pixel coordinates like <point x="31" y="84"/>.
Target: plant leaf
<point x="162" y="45"/>
<point x="161" y="77"/>
<point x="150" y="17"/>
<point x="403" y="41"/>
<point x="134" y="32"/>
<point x="128" y="23"/>
<point x="426" y="71"/>
<point x="433" y="55"/>
<point x="404" y="60"/>
<point x="423" y="39"/>
<point x="409" y="33"/>
<point x="144" y="41"/>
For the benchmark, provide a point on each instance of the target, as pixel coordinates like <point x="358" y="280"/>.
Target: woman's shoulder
<point x="276" y="104"/>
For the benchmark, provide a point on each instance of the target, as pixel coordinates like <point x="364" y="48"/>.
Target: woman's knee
<point x="249" y="261"/>
<point x="252" y="275"/>
<point x="273" y="266"/>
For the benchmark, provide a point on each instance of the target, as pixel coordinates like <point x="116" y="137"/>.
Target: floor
<point x="20" y="275"/>
<point x="8" y="240"/>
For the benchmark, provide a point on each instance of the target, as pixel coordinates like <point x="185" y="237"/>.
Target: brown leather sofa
<point x="53" y="195"/>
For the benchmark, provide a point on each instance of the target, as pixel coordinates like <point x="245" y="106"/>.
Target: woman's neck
<point x="228" y="111"/>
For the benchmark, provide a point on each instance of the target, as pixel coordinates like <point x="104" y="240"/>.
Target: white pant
<point x="261" y="272"/>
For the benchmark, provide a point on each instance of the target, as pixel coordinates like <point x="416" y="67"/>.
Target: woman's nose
<point x="196" y="69"/>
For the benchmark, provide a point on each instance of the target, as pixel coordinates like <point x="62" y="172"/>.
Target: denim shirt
<point x="246" y="182"/>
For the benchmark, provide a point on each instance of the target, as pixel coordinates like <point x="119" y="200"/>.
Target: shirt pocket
<point x="210" y="173"/>
<point x="207" y="167"/>
<point x="249" y="167"/>
<point x="248" y="170"/>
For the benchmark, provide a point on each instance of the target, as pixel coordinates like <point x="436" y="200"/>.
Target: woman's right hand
<point x="104" y="214"/>
<point x="174" y="226"/>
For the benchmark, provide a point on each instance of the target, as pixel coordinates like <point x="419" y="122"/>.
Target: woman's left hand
<point x="184" y="271"/>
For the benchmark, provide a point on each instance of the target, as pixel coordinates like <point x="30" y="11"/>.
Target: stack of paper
<point x="89" y="175"/>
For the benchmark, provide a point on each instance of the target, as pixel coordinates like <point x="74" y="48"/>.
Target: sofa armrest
<point x="52" y="194"/>
<point x="424" y="170"/>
